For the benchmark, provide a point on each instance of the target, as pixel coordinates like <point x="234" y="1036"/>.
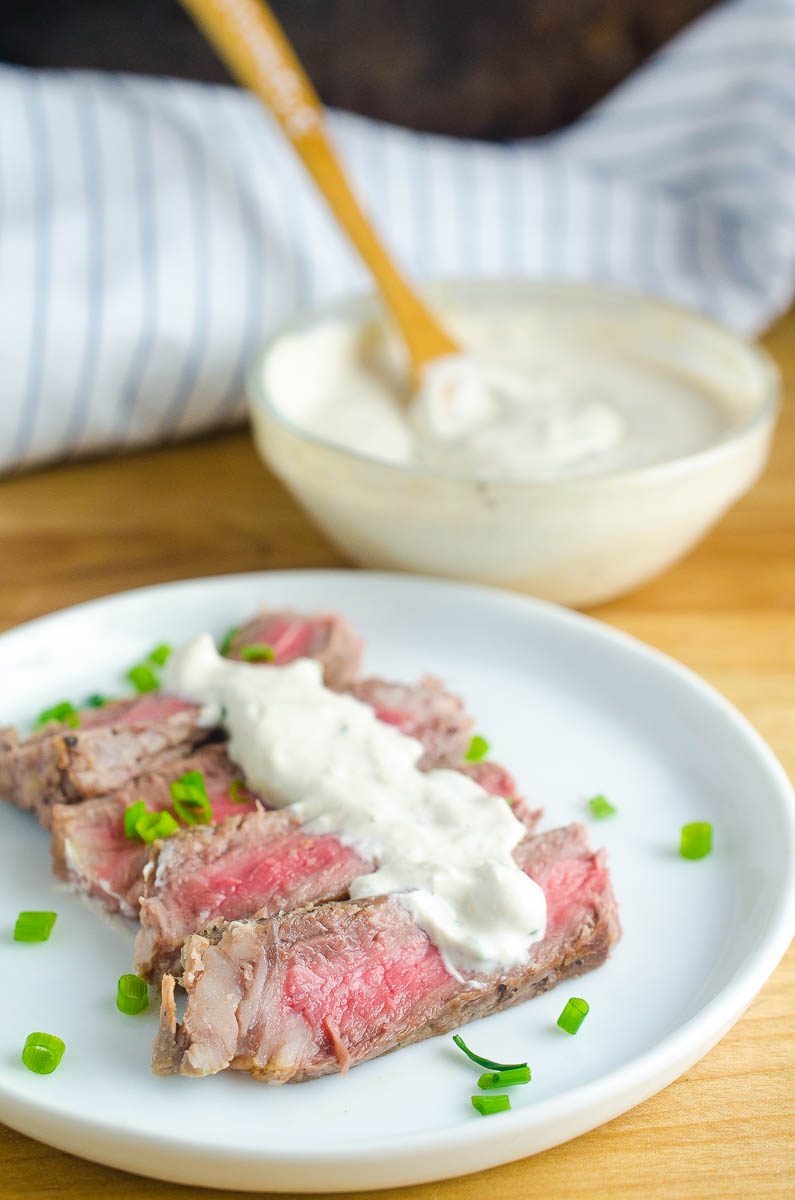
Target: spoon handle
<point x="255" y="48"/>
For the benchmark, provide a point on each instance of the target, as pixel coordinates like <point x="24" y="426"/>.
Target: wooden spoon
<point x="256" y="50"/>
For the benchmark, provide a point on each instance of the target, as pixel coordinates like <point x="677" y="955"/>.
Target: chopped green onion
<point x="64" y="713"/>
<point x="132" y="995"/>
<point x="155" y="825"/>
<point x="132" y="816"/>
<point x="143" y="678"/>
<point x="191" y="801"/>
<point x="42" y="1052"/>
<point x="491" y="1104"/>
<point x="696" y="840"/>
<point x="240" y="793"/>
<point x="601" y="807"/>
<point x="488" y="1063"/>
<point x="97" y="700"/>
<point x="258" y="652"/>
<point x="160" y="655"/>
<point x="478" y="749"/>
<point x="499" y="1079"/>
<point x="573" y="1014"/>
<point x="34" y="926"/>
<point x="228" y="639"/>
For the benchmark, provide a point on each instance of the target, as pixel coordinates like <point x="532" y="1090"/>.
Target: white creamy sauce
<point x="520" y="403"/>
<point x="442" y="844"/>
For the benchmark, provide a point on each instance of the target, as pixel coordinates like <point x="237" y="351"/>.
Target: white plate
<point x="573" y="708"/>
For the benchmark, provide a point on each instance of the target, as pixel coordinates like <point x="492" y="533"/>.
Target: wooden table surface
<point x="725" y="1129"/>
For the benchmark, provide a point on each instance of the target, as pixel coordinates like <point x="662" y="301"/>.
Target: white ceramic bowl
<point x="576" y="540"/>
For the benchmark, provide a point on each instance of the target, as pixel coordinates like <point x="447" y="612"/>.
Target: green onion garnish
<point x="488" y="1063"/>
<point x="228" y="639"/>
<point x="491" y="1104"/>
<point x="500" y="1079"/>
<point x="240" y="793"/>
<point x="143" y="678"/>
<point x="160" y="655"/>
<point x="191" y="801"/>
<point x="132" y="995"/>
<point x="34" y="926"/>
<point x="42" y="1052"/>
<point x="258" y="652"/>
<point x="97" y="700"/>
<point x="573" y="1015"/>
<point x="64" y="713"/>
<point x="132" y="816"/>
<point x="155" y="825"/>
<point x="601" y="807"/>
<point x="478" y="749"/>
<point x="696" y="840"/>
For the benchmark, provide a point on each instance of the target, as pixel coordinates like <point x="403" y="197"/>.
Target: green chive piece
<point x="258" y="652"/>
<point x="601" y="807"/>
<point x="696" y="841"/>
<point x="153" y="826"/>
<point x="34" y="926"/>
<point x="132" y="994"/>
<point x="191" y="802"/>
<point x="573" y="1014"/>
<point x="97" y="700"/>
<point x="132" y="816"/>
<point x="486" y="1105"/>
<point x="239" y="793"/>
<point x="488" y="1063"/>
<point x="478" y="749"/>
<point x="500" y="1079"/>
<point x="228" y="639"/>
<point x="143" y="678"/>
<point x="42" y="1052"/>
<point x="160" y="655"/>
<point x="64" y="713"/>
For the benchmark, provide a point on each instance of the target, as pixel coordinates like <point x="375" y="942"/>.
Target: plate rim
<point x="638" y="1078"/>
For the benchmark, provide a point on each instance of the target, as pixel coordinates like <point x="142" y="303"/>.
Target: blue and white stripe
<point x="153" y="232"/>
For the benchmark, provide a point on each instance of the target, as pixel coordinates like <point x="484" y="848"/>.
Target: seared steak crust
<point x="110" y="747"/>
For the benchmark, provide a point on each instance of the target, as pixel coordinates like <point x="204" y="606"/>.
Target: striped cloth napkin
<point x="152" y="231"/>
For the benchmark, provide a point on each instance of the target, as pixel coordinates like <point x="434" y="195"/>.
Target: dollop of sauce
<point x="524" y="400"/>
<point x="472" y="412"/>
<point x="442" y="844"/>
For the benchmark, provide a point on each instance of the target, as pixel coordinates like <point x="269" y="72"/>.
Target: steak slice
<point x="425" y="711"/>
<point x="111" y="746"/>
<point x="253" y="865"/>
<point x="319" y="990"/>
<point x="90" y="850"/>
<point x="326" y="637"/>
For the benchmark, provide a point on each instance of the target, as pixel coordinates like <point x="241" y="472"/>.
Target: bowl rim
<point x="367" y="304"/>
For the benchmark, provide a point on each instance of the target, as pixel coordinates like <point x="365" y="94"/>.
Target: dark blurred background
<point x="493" y="69"/>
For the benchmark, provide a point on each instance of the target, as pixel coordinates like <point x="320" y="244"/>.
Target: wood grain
<point x="726" y="1129"/>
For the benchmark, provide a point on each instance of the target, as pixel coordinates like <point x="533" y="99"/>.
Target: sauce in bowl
<point x="522" y="402"/>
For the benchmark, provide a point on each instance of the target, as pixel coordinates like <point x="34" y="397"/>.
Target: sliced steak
<point x="326" y="637"/>
<point x="318" y="990"/>
<point x="90" y="849"/>
<point x="425" y="711"/>
<point x="110" y="746"/>
<point x="257" y="864"/>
